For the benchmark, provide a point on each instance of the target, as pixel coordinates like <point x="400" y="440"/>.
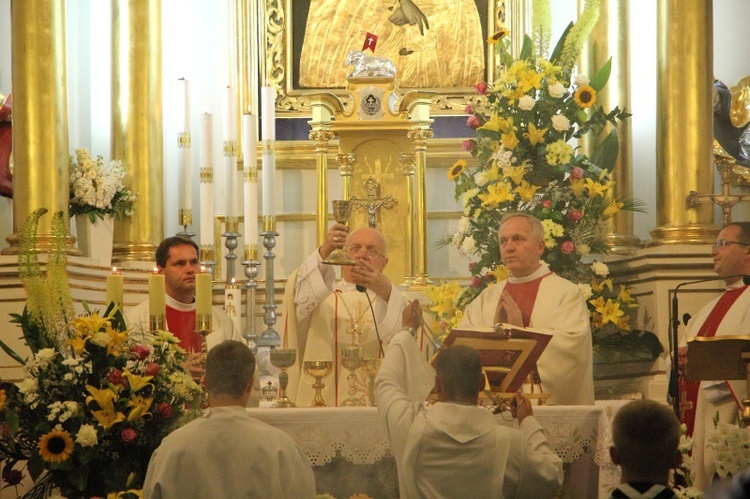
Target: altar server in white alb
<point x="455" y="448"/>
<point x="535" y="297"/>
<point x="729" y="314"/>
<point x="324" y="314"/>
<point x="227" y="453"/>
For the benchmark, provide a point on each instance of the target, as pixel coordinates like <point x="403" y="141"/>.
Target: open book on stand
<point x="508" y="355"/>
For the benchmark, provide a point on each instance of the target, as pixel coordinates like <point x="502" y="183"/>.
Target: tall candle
<point x="203" y="293"/>
<point x="183" y="142"/>
<point x="230" y="152"/>
<point x="207" y="180"/>
<point x="115" y="288"/>
<point x="250" y="148"/>
<point x="268" y="104"/>
<point x="157" y="306"/>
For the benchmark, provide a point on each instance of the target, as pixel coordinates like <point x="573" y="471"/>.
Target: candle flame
<point x="156" y="270"/>
<point x="114" y="270"/>
<point x="203" y="268"/>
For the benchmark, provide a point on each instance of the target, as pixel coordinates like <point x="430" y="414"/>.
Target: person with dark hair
<point x="646" y="439"/>
<point x="177" y="259"/>
<point x="535" y="297"/>
<point x="729" y="314"/>
<point x="227" y="453"/>
<point x="456" y="448"/>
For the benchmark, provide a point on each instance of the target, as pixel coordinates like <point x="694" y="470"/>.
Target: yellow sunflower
<point x="457" y="169"/>
<point x="55" y="446"/>
<point x="498" y="35"/>
<point x="585" y="96"/>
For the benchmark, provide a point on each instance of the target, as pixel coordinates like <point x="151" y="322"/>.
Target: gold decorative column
<point x="611" y="38"/>
<point x="40" y="117"/>
<point x="408" y="164"/>
<point x="137" y="123"/>
<point x="684" y="130"/>
<point x="420" y="136"/>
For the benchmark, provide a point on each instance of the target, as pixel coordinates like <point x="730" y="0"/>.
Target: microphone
<point x="363" y="289"/>
<point x="674" y="387"/>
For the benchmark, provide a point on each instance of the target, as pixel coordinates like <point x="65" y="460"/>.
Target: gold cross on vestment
<point x="685" y="405"/>
<point x="373" y="203"/>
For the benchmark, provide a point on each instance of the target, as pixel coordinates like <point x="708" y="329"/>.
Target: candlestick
<point x="250" y="148"/>
<point x="251" y="272"/>
<point x="268" y="104"/>
<point x="157" y="306"/>
<point x="269" y="338"/>
<point x="230" y="152"/>
<point x="115" y="288"/>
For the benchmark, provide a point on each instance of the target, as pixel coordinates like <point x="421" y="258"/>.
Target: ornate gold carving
<point x="207" y="175"/>
<point x="183" y="140"/>
<point x="408" y="162"/>
<point x="251" y="175"/>
<point x="321" y="138"/>
<point x="185" y="216"/>
<point x="346" y="163"/>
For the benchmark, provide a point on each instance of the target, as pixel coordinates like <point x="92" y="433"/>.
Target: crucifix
<point x="726" y="200"/>
<point x="373" y="203"/>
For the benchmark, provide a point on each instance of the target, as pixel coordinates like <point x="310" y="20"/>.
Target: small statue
<point x="732" y="119"/>
<point x="369" y="66"/>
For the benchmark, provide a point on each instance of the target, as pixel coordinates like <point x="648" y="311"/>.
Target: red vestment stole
<point x="182" y="325"/>
<point x="708" y="329"/>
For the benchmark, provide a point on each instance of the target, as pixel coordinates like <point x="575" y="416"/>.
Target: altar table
<point x="349" y="451"/>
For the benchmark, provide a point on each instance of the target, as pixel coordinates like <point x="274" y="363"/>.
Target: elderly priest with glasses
<point x="325" y="314"/>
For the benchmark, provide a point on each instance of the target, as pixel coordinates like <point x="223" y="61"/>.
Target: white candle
<point x="230" y="152"/>
<point x="183" y="142"/>
<point x="207" y="180"/>
<point x="268" y="104"/>
<point x="250" y="148"/>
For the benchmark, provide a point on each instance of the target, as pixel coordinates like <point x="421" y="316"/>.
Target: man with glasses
<point x="729" y="314"/>
<point x="325" y="314"/>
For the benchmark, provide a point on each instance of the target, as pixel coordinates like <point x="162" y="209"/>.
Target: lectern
<point x="721" y="357"/>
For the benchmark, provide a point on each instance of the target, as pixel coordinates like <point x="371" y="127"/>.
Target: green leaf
<point x="560" y="44"/>
<point x="11" y="353"/>
<point x="526" y="49"/>
<point x="605" y="154"/>
<point x="602" y="76"/>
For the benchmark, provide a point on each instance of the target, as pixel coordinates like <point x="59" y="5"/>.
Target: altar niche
<point x="382" y="161"/>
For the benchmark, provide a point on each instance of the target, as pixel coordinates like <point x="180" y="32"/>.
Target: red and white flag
<point x="370" y="41"/>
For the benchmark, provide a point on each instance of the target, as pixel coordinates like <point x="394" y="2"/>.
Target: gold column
<point x="321" y="138"/>
<point x="408" y="164"/>
<point x="684" y="129"/>
<point x="611" y="38"/>
<point x="420" y="136"/>
<point x="40" y="117"/>
<point x="137" y="123"/>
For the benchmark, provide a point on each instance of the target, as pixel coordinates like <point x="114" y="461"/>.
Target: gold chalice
<point x="370" y="367"/>
<point x="283" y="358"/>
<point x="351" y="359"/>
<point x="341" y="212"/>
<point x="318" y="369"/>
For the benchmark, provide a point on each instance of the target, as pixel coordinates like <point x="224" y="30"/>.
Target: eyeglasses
<point x="369" y="250"/>
<point x="723" y="243"/>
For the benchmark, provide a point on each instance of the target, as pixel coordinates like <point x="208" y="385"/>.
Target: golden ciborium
<point x="318" y="369"/>
<point x="370" y="367"/>
<point x="351" y="359"/>
<point x="283" y="358"/>
<point x="341" y="211"/>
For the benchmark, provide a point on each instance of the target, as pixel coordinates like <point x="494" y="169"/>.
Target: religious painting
<point x="445" y="51"/>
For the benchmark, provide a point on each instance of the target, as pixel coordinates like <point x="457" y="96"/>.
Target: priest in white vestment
<point x="325" y="314"/>
<point x="728" y="314"/>
<point x="227" y="453"/>
<point x="455" y="448"/>
<point x="534" y="297"/>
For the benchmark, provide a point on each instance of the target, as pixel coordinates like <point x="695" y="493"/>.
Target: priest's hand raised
<point x="367" y="275"/>
<point x="335" y="239"/>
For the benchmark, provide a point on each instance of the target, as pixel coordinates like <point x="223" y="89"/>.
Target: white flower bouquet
<point x="96" y="189"/>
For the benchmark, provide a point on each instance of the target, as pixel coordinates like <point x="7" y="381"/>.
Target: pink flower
<point x="467" y="146"/>
<point x="576" y="173"/>
<point x="567" y="247"/>
<point x="547" y="203"/>
<point x="164" y="410"/>
<point x="476" y="281"/>
<point x="481" y="87"/>
<point x="473" y="122"/>
<point x="469" y="109"/>
<point x="489" y="277"/>
<point x="152" y="369"/>
<point x="471" y="266"/>
<point x="115" y="377"/>
<point x="141" y="351"/>
<point x="575" y="215"/>
<point x="128" y="435"/>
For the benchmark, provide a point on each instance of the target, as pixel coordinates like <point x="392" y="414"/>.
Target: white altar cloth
<point x="580" y="435"/>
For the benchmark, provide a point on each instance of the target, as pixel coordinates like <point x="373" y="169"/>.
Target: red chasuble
<point x="708" y="329"/>
<point x="524" y="294"/>
<point x="182" y="325"/>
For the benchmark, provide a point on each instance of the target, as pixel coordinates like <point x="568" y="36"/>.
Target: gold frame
<point x="276" y="69"/>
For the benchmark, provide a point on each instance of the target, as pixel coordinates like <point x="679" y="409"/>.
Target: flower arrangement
<point x="97" y="190"/>
<point x="525" y="162"/>
<point x="95" y="401"/>
<point x="731" y="443"/>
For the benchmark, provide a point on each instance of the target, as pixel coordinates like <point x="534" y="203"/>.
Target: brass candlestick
<point x="341" y="212"/>
<point x="283" y="358"/>
<point x="203" y="328"/>
<point x="157" y="323"/>
<point x="351" y="359"/>
<point x="318" y="369"/>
